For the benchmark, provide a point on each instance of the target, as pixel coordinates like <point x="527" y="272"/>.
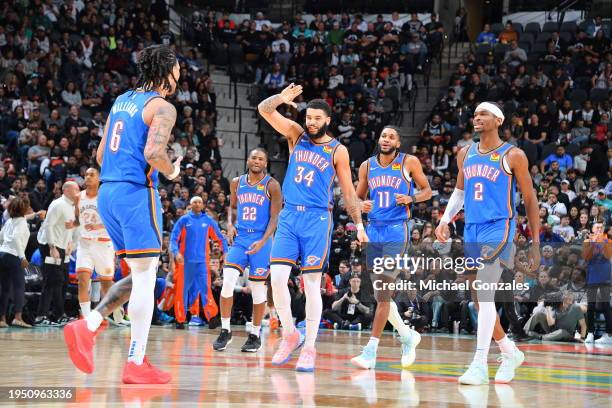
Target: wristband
<point x="360" y="227"/>
<point x="175" y="173"/>
<point x="413" y="198"/>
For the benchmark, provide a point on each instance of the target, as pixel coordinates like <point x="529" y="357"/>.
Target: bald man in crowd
<point x="54" y="238"/>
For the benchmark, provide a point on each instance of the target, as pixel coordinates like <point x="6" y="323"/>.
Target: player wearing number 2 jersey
<point x="488" y="173"/>
<point x="132" y="152"/>
<point x="305" y="223"/>
<point x="256" y="198"/>
<point x="388" y="177"/>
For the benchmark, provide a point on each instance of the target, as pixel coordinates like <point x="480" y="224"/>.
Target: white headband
<point x="195" y="198"/>
<point x="489" y="107"/>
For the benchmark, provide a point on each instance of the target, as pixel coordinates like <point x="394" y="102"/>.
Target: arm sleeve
<point x="174" y="236"/>
<point x="455" y="203"/>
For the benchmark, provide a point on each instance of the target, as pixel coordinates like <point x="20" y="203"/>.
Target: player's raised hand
<point x="366" y="206"/>
<point x="290" y="93"/>
<point x="442" y="232"/>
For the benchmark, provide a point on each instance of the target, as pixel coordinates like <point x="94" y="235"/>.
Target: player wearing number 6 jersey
<point x="486" y="183"/>
<point x="132" y="152"/>
<point x="389" y="177"/>
<point x="305" y="223"/>
<point x="257" y="199"/>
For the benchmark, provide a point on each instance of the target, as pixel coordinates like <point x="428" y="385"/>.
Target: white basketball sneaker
<point x="476" y="374"/>
<point x="409" y="345"/>
<point x="509" y="363"/>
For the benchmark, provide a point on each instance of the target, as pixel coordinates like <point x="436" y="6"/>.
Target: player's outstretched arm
<point x="287" y="127"/>
<point x="455" y="203"/>
<point x="351" y="201"/>
<point x="518" y="163"/>
<point x="102" y="145"/>
<point x="162" y="116"/>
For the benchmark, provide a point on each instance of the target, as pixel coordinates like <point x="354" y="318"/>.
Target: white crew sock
<point x="255" y="330"/>
<point x="94" y="320"/>
<point x="396" y="320"/>
<point x="85" y="308"/>
<point x="506" y="345"/>
<point x="225" y="323"/>
<point x="373" y="342"/>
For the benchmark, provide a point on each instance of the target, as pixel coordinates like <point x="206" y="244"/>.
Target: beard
<point x="388" y="151"/>
<point x="320" y="133"/>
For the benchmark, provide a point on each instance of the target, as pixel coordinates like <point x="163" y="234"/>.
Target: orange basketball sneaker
<point x="80" y="342"/>
<point x="145" y="373"/>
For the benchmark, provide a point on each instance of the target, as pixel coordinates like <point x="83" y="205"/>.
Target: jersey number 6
<point x="116" y="136"/>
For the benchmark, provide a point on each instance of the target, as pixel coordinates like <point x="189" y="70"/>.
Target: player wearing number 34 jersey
<point x="305" y="223"/>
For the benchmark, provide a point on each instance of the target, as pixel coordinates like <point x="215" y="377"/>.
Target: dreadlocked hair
<point x="155" y="63"/>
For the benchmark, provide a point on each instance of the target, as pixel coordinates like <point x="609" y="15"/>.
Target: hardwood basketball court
<point x="553" y="375"/>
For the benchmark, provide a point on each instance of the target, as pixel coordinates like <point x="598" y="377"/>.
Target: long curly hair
<point x="155" y="63"/>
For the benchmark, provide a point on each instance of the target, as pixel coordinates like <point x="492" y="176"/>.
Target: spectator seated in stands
<point x="349" y="311"/>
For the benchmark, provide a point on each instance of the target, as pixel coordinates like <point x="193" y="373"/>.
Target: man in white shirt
<point x="565" y="189"/>
<point x="54" y="237"/>
<point x="554" y="207"/>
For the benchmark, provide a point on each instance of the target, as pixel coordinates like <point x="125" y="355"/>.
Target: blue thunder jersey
<point x="383" y="183"/>
<point x="253" y="204"/>
<point x="310" y="175"/>
<point x="125" y="142"/>
<point x="489" y="187"/>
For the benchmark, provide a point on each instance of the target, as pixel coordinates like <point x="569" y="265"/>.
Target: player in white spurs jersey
<point x="95" y="249"/>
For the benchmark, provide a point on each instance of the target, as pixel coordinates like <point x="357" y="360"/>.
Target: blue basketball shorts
<point x="490" y="241"/>
<point x="258" y="263"/>
<point x="386" y="240"/>
<point x="132" y="216"/>
<point x="303" y="233"/>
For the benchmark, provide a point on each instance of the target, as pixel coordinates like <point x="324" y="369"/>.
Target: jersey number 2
<point x="116" y="136"/>
<point x="478" y="191"/>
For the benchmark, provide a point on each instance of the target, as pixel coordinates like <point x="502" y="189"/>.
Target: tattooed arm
<point x="162" y="116"/>
<point x="102" y="145"/>
<point x="287" y="127"/>
<point x="351" y="201"/>
<point x="116" y="296"/>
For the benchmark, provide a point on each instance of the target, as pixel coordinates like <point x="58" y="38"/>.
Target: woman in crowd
<point x="14" y="239"/>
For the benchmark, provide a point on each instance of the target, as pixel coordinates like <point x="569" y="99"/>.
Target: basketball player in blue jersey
<point x="131" y="153"/>
<point x="388" y="177"/>
<point x="305" y="223"/>
<point x="486" y="185"/>
<point x="256" y="198"/>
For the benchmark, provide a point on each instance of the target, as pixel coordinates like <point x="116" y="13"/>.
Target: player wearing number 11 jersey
<point x="388" y="177"/>
<point x="305" y="223"/>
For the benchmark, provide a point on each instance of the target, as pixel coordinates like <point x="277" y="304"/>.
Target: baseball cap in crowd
<point x="565" y="181"/>
<point x="584" y="188"/>
<point x="189" y="166"/>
